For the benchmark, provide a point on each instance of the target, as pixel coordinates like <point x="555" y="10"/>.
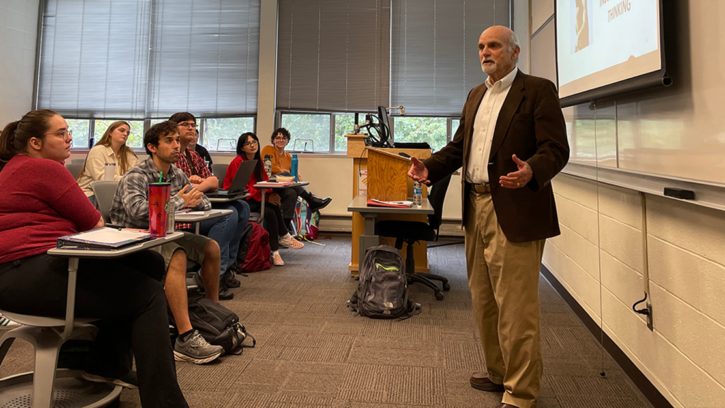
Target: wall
<point x="18" y="35"/>
<point x="599" y="257"/>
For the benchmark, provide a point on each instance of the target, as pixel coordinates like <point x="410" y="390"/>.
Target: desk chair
<point x="220" y="171"/>
<point x="74" y="168"/>
<point x="75" y="161"/>
<point x="410" y="232"/>
<point x="104" y="192"/>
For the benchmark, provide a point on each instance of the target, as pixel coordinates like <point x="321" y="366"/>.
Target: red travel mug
<point x="159" y="194"/>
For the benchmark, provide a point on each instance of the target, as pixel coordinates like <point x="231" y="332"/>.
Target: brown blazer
<point x="530" y="125"/>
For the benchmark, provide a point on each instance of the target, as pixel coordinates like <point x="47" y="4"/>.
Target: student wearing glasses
<point x="42" y="202"/>
<point x="282" y="162"/>
<point x="248" y="149"/>
<point x="110" y="149"/>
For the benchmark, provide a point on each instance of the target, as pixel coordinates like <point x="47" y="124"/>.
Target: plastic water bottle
<point x="417" y="194"/>
<point x="293" y="170"/>
<point x="268" y="165"/>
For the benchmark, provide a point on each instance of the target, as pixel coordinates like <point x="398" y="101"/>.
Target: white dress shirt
<point x="484" y="126"/>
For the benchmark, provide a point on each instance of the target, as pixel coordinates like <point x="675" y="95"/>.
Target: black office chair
<point x="410" y="232"/>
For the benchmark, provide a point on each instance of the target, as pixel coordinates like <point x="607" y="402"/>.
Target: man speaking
<point x="511" y="142"/>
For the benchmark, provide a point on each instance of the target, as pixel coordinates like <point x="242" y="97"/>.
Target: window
<point x="421" y="129"/>
<point x="81" y="130"/>
<point x="310" y="131"/>
<point x="434" y="52"/>
<point x="221" y="135"/>
<point x="344" y="124"/>
<point x="135" y="138"/>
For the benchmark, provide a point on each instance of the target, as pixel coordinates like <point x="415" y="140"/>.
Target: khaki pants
<point x="504" y="281"/>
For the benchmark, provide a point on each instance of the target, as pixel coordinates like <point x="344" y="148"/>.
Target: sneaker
<point x="196" y="349"/>
<point x="290" y="242"/>
<point x="277" y="260"/>
<point x="6" y="323"/>
<point x="128" y="380"/>
<point x="230" y="280"/>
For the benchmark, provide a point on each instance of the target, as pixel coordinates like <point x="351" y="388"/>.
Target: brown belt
<point x="484" y="188"/>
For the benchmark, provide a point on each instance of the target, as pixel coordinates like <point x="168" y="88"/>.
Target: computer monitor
<point x="384" y="126"/>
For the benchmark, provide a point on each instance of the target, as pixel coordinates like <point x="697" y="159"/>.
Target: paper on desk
<point x="108" y="236"/>
<point x="190" y="213"/>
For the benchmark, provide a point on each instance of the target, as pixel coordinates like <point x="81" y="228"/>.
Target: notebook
<point x="103" y="239"/>
<point x="239" y="184"/>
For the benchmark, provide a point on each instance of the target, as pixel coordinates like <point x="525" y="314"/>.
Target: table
<point x="197" y="218"/>
<point x="68" y="386"/>
<point x="368" y="238"/>
<point x="227" y="199"/>
<point x="264" y="188"/>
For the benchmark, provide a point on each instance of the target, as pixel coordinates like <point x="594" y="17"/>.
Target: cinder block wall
<point x="601" y="241"/>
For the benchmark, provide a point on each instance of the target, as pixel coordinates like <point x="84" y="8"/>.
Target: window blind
<point x="434" y="52"/>
<point x="137" y="59"/>
<point x="333" y="55"/>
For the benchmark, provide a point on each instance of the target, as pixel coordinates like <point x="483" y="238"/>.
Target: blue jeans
<point x="227" y="231"/>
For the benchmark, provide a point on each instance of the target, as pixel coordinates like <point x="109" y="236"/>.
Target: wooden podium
<point x="384" y="177"/>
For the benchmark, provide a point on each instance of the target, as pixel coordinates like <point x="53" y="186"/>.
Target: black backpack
<point x="383" y="288"/>
<point x="217" y="324"/>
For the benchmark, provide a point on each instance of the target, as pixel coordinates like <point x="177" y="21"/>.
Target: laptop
<point x="239" y="184"/>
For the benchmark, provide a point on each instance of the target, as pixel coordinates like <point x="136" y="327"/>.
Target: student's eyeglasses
<point x="250" y="143"/>
<point x="63" y="133"/>
<point x="188" y="124"/>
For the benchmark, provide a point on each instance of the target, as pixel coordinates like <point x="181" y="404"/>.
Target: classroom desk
<point x="198" y="218"/>
<point x="264" y="188"/>
<point x="218" y="200"/>
<point x="368" y="238"/>
<point x="67" y="384"/>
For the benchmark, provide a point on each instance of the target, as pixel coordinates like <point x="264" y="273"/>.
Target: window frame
<point x="201" y="126"/>
<point x="450" y="131"/>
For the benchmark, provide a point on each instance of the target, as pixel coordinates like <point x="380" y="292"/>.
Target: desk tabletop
<point x="228" y="199"/>
<point x="359" y="204"/>
<point x="273" y="186"/>
<point x="90" y="253"/>
<point x="195" y="216"/>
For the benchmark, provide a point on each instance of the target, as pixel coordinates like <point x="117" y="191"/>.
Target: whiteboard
<point x="676" y="132"/>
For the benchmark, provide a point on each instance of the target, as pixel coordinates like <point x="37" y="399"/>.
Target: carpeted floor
<point x="313" y="352"/>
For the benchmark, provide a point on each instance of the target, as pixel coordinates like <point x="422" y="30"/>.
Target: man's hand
<point x="418" y="172"/>
<point x="275" y="199"/>
<point x="206" y="185"/>
<point x="192" y="197"/>
<point x="518" y="178"/>
<point x="196" y="179"/>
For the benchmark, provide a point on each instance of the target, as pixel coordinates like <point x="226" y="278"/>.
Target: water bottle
<point x="268" y="165"/>
<point x="293" y="170"/>
<point x="417" y="194"/>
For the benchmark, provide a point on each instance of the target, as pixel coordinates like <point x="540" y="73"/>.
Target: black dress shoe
<point x="316" y="204"/>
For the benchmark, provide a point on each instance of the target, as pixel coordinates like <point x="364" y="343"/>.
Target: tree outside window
<point x="135" y="138"/>
<point x="421" y="129"/>
<point x="221" y="134"/>
<point x="306" y="128"/>
<point x="81" y="130"/>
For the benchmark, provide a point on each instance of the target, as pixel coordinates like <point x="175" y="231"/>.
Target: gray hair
<point x="513" y="41"/>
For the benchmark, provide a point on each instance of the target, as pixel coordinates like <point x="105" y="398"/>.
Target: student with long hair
<point x="248" y="149"/>
<point x="110" y="149"/>
<point x="42" y="202"/>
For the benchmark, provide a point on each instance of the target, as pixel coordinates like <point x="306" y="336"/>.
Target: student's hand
<point x="191" y="196"/>
<point x="519" y="178"/>
<point x="275" y="199"/>
<point x="196" y="180"/>
<point x="418" y="172"/>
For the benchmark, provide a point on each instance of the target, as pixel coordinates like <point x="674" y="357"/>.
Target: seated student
<point x="201" y="150"/>
<point x="110" y="149"/>
<point x="201" y="178"/>
<point x="281" y="162"/>
<point x="248" y="149"/>
<point x="42" y="202"/>
<point x="131" y="209"/>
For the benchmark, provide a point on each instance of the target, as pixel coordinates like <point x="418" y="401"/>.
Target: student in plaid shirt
<point x="228" y="235"/>
<point x="131" y="209"/>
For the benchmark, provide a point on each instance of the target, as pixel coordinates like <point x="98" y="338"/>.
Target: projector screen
<point x="605" y="42"/>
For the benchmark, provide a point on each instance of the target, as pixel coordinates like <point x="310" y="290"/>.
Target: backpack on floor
<point x="217" y="324"/>
<point x="258" y="256"/>
<point x="383" y="288"/>
<point x="244" y="244"/>
<point x="306" y="223"/>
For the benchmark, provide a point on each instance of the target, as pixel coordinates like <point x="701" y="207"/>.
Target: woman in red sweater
<point x="41" y="202"/>
<point x="248" y="149"/>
